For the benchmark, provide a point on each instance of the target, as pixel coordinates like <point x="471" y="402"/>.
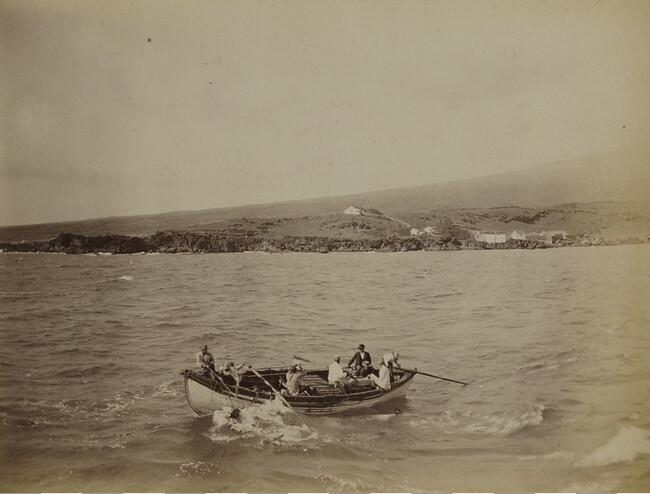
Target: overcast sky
<point x="136" y="107"/>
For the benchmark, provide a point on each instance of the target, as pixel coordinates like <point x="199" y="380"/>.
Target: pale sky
<point x="138" y="107"/>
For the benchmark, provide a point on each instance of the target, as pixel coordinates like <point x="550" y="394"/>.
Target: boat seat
<point x="321" y="386"/>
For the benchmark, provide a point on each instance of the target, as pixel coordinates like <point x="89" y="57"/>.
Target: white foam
<point x="270" y="421"/>
<point x="508" y="422"/>
<point x="625" y="446"/>
<point x="196" y="468"/>
<point x="382" y="417"/>
<point x="165" y="389"/>
<point x="126" y="278"/>
<point x="338" y="484"/>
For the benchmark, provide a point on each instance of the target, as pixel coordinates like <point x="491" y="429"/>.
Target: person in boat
<point x="293" y="385"/>
<point x="230" y="370"/>
<point x="391" y="360"/>
<point x="293" y="381"/>
<point x="356" y="362"/>
<point x="336" y="376"/>
<point x="366" y="369"/>
<point x="205" y="360"/>
<point x="383" y="381"/>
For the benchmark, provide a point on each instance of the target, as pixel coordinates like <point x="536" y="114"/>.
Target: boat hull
<point x="204" y="400"/>
<point x="206" y="395"/>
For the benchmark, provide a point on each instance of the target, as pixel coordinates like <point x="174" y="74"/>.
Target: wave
<point x="551" y="361"/>
<point x="269" y="422"/>
<point x="126" y="278"/>
<point x="76" y="408"/>
<point x="199" y="468"/>
<point x="165" y="389"/>
<point x="509" y="422"/>
<point x="334" y="483"/>
<point x="451" y="294"/>
<point x="629" y="443"/>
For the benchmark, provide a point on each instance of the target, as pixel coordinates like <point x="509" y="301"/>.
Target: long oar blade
<point x="437" y="377"/>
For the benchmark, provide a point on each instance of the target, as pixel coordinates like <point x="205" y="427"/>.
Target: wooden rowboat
<point x="207" y="394"/>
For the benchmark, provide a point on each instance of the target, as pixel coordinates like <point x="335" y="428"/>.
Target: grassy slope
<point x="610" y="195"/>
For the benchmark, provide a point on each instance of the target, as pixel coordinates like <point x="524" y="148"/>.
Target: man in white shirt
<point x="336" y="374"/>
<point x="383" y="381"/>
<point x="390" y="359"/>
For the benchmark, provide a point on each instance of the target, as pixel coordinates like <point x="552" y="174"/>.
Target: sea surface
<point x="554" y="343"/>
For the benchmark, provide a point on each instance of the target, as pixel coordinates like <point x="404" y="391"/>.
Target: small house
<point x="491" y="238"/>
<point x="354" y="210"/>
<point x="416" y="231"/>
<point x="518" y="235"/>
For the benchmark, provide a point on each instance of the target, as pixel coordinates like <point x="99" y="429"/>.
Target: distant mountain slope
<point x="619" y="177"/>
<point x="614" y="177"/>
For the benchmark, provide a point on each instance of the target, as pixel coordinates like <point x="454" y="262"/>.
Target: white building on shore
<point x="491" y="237"/>
<point x="354" y="210"/>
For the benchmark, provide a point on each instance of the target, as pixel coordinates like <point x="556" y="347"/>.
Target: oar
<point x="222" y="381"/>
<point x="277" y="393"/>
<point x="437" y="377"/>
<point x="227" y="387"/>
<point x="298" y="357"/>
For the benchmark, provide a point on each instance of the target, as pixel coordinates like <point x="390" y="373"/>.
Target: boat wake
<point x="270" y="422"/>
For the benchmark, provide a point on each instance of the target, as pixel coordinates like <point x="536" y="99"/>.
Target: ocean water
<point x="555" y="344"/>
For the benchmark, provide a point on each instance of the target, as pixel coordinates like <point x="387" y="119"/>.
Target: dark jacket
<point x="358" y="359"/>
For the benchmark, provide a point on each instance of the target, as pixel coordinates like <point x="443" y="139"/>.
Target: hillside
<point x="593" y="195"/>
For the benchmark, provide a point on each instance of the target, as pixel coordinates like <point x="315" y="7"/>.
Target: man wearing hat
<point x="205" y="360"/>
<point x="294" y="377"/>
<point x="358" y="359"/>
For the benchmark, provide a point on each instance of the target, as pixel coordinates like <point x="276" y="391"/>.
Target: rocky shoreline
<point x="172" y="242"/>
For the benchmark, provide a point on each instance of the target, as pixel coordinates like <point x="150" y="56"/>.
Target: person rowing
<point x="232" y="371"/>
<point x="293" y="385"/>
<point x="205" y="360"/>
<point x="390" y="359"/>
<point x="294" y="377"/>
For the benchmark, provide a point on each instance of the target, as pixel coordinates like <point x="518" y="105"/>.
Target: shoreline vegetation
<point x="175" y="242"/>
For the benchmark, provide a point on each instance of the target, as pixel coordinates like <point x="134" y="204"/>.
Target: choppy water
<point x="555" y="342"/>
